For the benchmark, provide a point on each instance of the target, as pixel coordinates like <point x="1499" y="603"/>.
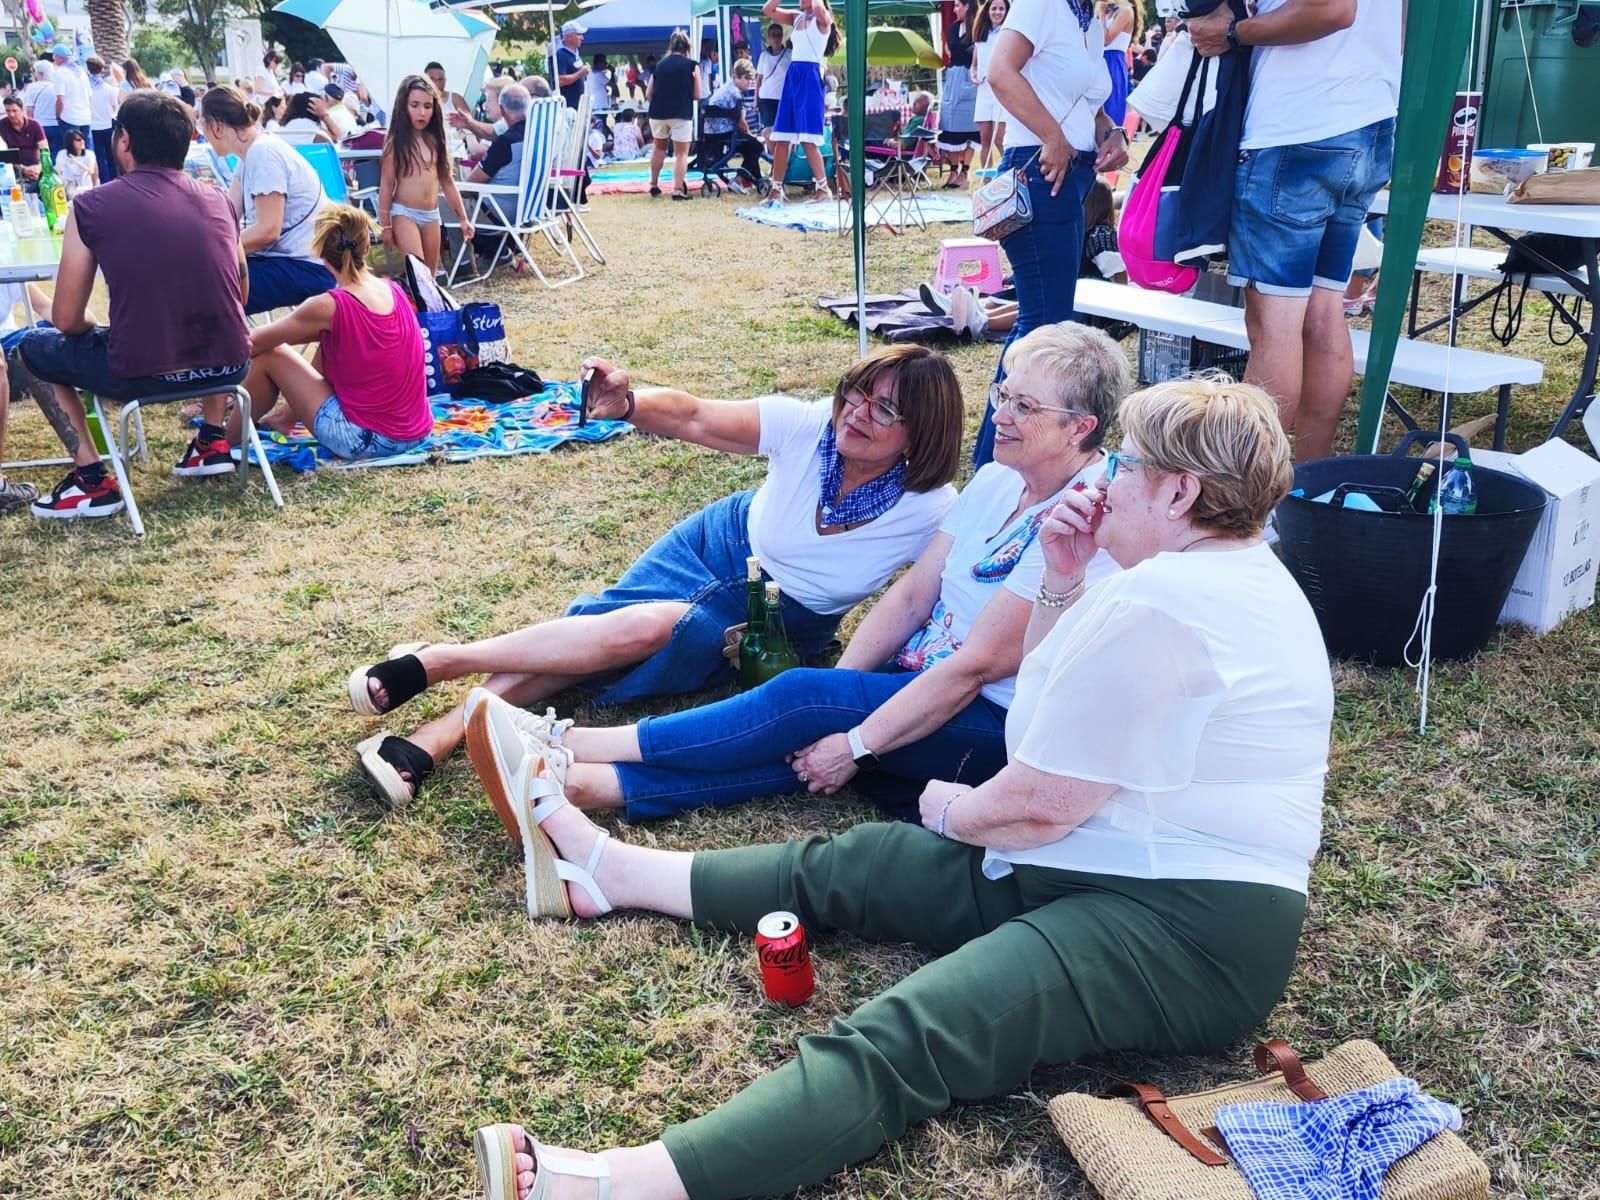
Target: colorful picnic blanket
<point x="467" y="429"/>
<point x="826" y="217"/>
<point x="625" y="177"/>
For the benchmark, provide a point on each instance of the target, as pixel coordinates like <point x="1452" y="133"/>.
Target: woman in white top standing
<point x="266" y="84"/>
<point x="1133" y="879"/>
<point x="802" y="108"/>
<point x="771" y="69"/>
<point x="1048" y="73"/>
<point x="923" y="687"/>
<point x="990" y="116"/>
<point x="854" y="490"/>
<point x="104" y="96"/>
<point x="1122" y="25"/>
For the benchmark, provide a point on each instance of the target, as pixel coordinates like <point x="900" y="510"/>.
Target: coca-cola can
<point x="785" y="961"/>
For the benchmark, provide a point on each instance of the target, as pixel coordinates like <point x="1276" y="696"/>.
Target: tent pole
<point x="1427" y="85"/>
<point x="856" y="84"/>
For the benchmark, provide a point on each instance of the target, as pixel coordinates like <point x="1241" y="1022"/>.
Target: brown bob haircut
<point x="928" y="396"/>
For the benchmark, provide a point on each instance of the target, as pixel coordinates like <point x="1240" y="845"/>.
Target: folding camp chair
<point x="893" y="178"/>
<point x="324" y="159"/>
<point x="517" y="212"/>
<point x="568" y="184"/>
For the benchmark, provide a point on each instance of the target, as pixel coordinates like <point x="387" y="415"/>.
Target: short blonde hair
<point x="1227" y="435"/>
<point x="1088" y="372"/>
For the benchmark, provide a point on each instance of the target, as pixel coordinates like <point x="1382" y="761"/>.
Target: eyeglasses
<point x="1117" y="459"/>
<point x="1023" y="407"/>
<point x="881" y="411"/>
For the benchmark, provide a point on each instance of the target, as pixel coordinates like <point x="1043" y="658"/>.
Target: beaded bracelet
<point x="1049" y="599"/>
<point x="945" y="812"/>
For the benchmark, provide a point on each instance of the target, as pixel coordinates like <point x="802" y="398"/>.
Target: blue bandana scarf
<point x="867" y="502"/>
<point x="1084" y="13"/>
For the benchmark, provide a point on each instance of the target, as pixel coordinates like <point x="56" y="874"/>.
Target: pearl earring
<point x="1171" y="513"/>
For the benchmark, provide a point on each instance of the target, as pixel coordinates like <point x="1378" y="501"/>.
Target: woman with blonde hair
<point x="1134" y="878"/>
<point x="370" y="398"/>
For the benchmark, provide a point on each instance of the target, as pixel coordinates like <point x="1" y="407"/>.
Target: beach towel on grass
<point x="467" y="429"/>
<point x="825" y="217"/>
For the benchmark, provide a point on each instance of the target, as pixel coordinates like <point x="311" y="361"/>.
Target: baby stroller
<point x="714" y="154"/>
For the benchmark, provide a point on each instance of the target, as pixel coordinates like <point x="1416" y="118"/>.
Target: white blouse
<point x="1199" y="685"/>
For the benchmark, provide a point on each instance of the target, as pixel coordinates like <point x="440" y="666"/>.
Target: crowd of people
<point x="1091" y="706"/>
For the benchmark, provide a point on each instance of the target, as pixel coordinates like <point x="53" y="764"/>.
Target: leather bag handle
<point x="1154" y="1106"/>
<point x="1275" y="1057"/>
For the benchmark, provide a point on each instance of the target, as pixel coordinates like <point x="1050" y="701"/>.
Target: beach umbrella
<point x="891" y="46"/>
<point x="386" y="40"/>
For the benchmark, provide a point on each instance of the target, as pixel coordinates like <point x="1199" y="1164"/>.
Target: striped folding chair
<point x="518" y="212"/>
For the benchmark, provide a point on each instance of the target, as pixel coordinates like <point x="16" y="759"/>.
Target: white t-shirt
<point x="72" y="86"/>
<point x="274" y="166"/>
<point x="1198" y="684"/>
<point x="598" y="85"/>
<point x="828" y="574"/>
<point x="1067" y="69"/>
<point x="102" y="103"/>
<point x="772" y="68"/>
<point x="1338" y="83"/>
<point x="990" y="550"/>
<point x="39" y="97"/>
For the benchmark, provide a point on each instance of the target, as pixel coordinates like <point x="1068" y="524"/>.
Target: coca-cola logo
<point x="784" y="957"/>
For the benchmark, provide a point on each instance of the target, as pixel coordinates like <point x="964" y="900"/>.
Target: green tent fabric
<point x="1441" y="30"/>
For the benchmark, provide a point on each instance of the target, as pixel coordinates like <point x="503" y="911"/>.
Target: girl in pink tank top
<point x="371" y="398"/>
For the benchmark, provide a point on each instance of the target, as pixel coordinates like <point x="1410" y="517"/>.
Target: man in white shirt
<point x="39" y="98"/>
<point x="1318" y="143"/>
<point x="72" y="95"/>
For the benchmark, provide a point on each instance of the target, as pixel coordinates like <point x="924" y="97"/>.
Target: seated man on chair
<point x="151" y="223"/>
<point x="502" y="164"/>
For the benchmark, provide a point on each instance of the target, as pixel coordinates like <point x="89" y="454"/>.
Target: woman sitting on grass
<point x="854" y="490"/>
<point x="1133" y="879"/>
<point x="923" y="688"/>
<point x="370" y="397"/>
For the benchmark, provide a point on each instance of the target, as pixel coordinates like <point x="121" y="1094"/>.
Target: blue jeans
<point x="1298" y="210"/>
<point x="343" y="438"/>
<point x="83" y="360"/>
<point x="1044" y="256"/>
<point x="733" y="751"/>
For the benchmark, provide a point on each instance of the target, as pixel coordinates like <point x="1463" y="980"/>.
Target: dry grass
<point x="227" y="974"/>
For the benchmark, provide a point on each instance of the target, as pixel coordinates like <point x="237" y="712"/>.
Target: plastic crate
<point x="1164" y="356"/>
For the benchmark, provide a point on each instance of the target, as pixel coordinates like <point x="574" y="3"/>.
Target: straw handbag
<point x="1140" y="1145"/>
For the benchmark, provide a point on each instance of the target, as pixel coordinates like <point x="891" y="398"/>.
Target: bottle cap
<point x="1463" y="461"/>
<point x="772" y="593"/>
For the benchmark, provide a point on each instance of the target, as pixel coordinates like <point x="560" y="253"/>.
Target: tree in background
<point x="199" y="25"/>
<point x="157" y="50"/>
<point x="108" y="22"/>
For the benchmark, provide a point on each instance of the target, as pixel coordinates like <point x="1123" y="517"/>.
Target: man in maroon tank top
<point x="168" y="247"/>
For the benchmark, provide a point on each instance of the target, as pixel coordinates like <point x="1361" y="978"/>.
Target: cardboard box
<point x="1557" y="577"/>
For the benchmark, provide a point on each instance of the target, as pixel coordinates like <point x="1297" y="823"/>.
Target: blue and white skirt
<point x="700" y="560"/>
<point x="802" y="110"/>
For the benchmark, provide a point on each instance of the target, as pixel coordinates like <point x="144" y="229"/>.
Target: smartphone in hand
<point x="583" y="397"/>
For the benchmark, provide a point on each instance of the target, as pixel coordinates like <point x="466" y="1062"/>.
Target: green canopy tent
<point x="852" y="17"/>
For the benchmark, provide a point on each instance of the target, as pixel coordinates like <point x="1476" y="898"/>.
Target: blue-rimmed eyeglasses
<point x="1120" y="458"/>
<point x="880" y="410"/>
<point x="1023" y="407"/>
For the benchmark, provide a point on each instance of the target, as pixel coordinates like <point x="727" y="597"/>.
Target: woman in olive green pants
<point x="1133" y="879"/>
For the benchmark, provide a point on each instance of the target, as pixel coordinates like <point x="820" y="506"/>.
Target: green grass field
<point x="228" y="974"/>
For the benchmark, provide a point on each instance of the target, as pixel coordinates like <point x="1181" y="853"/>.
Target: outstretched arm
<point x="305" y="324"/>
<point x="783" y="16"/>
<point x="732" y="426"/>
<point x="1291" y="24"/>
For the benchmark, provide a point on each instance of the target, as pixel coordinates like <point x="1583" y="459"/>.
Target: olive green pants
<point x="1040" y="967"/>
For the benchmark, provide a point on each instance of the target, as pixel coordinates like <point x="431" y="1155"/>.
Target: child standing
<point x="416" y="167"/>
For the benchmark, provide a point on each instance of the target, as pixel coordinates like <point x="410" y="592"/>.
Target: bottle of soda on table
<point x="755" y="623"/>
<point x="52" y="196"/>
<point x="776" y="656"/>
<point x="1456" y="495"/>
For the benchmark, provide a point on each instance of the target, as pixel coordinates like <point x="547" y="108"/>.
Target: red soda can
<point x="785" y="962"/>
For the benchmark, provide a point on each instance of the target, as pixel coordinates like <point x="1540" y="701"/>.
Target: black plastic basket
<point x="1366" y="573"/>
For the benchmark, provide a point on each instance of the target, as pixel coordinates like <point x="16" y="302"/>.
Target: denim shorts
<point x="343" y="438"/>
<point x="1298" y="210"/>
<point x="83" y="361"/>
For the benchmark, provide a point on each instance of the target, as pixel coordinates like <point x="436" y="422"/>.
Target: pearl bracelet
<point x="945" y="812"/>
<point x="1049" y="599"/>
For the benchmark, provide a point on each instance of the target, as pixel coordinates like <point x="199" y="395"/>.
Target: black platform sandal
<point x="386" y="761"/>
<point x="401" y="676"/>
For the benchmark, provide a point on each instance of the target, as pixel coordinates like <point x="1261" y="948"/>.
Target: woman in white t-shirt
<point x="771" y="68"/>
<point x="923" y="687"/>
<point x="986" y="110"/>
<point x="854" y="491"/>
<point x="1133" y="879"/>
<point x="1048" y="73"/>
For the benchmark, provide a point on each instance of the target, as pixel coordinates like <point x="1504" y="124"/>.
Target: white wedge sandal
<point x="495" y="1150"/>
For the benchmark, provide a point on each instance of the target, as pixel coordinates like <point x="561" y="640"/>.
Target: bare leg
<point x="432" y="237"/>
<point x="594" y="787"/>
<point x="281" y="371"/>
<point x="64" y="410"/>
<point x="1329" y="364"/>
<point x="813" y="154"/>
<point x="630" y="876"/>
<point x="408" y="238"/>
<point x="441" y="736"/>
<point x="780" y="163"/>
<point x="658" y="155"/>
<point x="680" y="165"/>
<point x="604" y="744"/>
<point x="1276" y="325"/>
<point x="637" y="1173"/>
<point x="985" y="141"/>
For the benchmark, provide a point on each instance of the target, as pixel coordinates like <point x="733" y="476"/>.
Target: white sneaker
<point x="961" y="310"/>
<point x="544" y="731"/>
<point x="977" y="319"/>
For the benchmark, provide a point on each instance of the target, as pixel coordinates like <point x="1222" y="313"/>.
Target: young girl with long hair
<point x="370" y="397"/>
<point x="802" y="109"/>
<point x="416" y="168"/>
<point x="133" y="75"/>
<point x="989" y="114"/>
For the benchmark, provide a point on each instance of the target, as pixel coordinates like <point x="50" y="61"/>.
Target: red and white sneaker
<point x="205" y="458"/>
<point x="73" y="499"/>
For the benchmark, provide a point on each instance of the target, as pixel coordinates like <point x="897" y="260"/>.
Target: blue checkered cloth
<point x="1335" y="1149"/>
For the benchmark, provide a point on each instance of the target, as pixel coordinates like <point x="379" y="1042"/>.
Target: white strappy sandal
<point x="495" y="1151"/>
<point x="512" y="767"/>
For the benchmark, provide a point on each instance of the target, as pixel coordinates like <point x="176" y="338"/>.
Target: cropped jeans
<point x="733" y="751"/>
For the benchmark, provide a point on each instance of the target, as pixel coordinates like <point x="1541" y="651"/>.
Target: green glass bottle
<point x="52" y="196"/>
<point x="755" y="623"/>
<point x="776" y="656"/>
